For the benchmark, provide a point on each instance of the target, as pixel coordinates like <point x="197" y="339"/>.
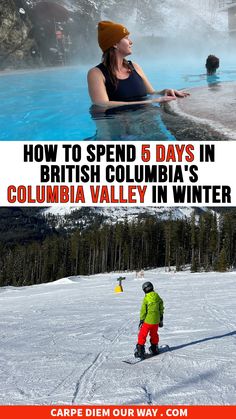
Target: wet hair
<point x="212" y="63"/>
<point x="109" y="60"/>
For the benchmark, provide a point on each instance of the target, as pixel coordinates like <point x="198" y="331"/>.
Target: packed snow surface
<point x="64" y="342"/>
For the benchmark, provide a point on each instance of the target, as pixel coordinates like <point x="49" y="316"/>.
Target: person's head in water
<point x="212" y="64"/>
<point x="147" y="287"/>
<point x="114" y="41"/>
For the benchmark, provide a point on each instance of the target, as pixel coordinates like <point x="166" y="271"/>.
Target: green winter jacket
<point x="152" y="308"/>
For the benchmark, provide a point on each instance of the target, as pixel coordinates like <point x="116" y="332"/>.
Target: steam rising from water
<point x="173" y="31"/>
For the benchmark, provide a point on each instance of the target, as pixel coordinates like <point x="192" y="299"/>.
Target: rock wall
<point x="32" y="37"/>
<point x="18" y="49"/>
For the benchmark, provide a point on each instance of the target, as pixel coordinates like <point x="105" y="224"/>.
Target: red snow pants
<point x="152" y="329"/>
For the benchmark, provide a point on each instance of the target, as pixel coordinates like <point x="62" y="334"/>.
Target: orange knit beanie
<point x="109" y="33"/>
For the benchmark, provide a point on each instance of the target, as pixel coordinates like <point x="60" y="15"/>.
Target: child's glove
<point x="140" y="324"/>
<point x="161" y="322"/>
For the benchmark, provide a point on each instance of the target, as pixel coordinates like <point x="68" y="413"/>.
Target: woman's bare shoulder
<point x="139" y="69"/>
<point x="94" y="72"/>
<point x="137" y="66"/>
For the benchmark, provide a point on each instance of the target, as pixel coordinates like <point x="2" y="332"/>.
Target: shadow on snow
<point x="195" y="342"/>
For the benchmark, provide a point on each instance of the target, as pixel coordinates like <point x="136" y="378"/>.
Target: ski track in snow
<point x="64" y="342"/>
<point x="85" y="385"/>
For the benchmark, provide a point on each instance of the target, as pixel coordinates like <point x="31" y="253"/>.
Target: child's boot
<point x="139" y="351"/>
<point x="154" y="349"/>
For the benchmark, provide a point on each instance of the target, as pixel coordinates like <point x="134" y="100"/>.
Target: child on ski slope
<point x="151" y="316"/>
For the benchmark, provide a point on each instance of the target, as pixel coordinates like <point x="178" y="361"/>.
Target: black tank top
<point x="127" y="90"/>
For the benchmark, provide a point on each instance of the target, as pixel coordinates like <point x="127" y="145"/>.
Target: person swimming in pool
<point x="117" y="81"/>
<point x="212" y="64"/>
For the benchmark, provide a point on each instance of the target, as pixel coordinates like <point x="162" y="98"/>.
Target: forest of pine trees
<point x="206" y="242"/>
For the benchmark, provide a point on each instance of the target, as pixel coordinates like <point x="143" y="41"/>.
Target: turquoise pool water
<point x="54" y="104"/>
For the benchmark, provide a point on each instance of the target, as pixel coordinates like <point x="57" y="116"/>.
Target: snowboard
<point x="133" y="361"/>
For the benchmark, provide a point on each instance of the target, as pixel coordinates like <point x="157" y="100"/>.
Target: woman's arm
<point x="152" y="91"/>
<point x="98" y="93"/>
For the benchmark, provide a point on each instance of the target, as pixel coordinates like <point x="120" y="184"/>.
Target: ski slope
<point x="64" y="342"/>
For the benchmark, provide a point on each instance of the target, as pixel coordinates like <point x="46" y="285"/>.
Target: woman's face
<point x="124" y="46"/>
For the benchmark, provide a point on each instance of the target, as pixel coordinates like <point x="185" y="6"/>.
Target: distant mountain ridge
<point x="70" y="217"/>
<point x="25" y="224"/>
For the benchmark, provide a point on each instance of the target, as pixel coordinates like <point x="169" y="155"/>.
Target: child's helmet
<point x="147" y="287"/>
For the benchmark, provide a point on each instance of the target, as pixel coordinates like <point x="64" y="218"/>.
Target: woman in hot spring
<point x="117" y="81"/>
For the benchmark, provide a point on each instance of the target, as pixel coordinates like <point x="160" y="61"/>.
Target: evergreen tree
<point x="222" y="261"/>
<point x="194" y="258"/>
